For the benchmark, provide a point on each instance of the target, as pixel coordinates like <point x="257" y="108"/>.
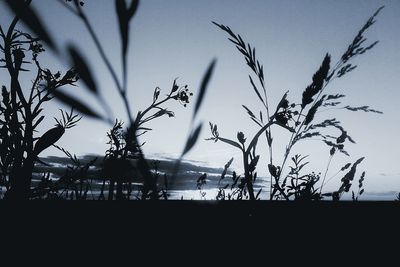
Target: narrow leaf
<point x="82" y="68"/>
<point x="258" y="193"/>
<point x="132" y="9"/>
<point x="312" y="111"/>
<point x="120" y="6"/>
<point x="230" y="142"/>
<point x="29" y="17"/>
<point x="256" y="90"/>
<point x="203" y="86"/>
<point x="192" y="139"/>
<point x="226" y="168"/>
<point x="249" y="111"/>
<point x="76" y="104"/>
<point x="37" y="122"/>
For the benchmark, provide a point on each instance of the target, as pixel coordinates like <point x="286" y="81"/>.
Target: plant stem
<point x="121" y="88"/>
<point x="326" y="172"/>
<point x="249" y="182"/>
<point x="101" y="50"/>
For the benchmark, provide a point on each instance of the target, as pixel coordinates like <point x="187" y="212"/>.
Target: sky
<point x="176" y="39"/>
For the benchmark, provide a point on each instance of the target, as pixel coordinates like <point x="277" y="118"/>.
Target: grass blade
<point x="192" y="139"/>
<point x="256" y="90"/>
<point x="28" y="16"/>
<point x="82" y="69"/>
<point x="76" y="104"/>
<point x="230" y="142"/>
<point x="123" y="20"/>
<point x="132" y="9"/>
<point x="203" y="86"/>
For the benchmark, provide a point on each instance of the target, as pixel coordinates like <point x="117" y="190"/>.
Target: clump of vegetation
<point x="120" y="168"/>
<point x="21" y="108"/>
<point x="136" y="126"/>
<point x="124" y="166"/>
<point x="74" y="184"/>
<point x="236" y="188"/>
<point x="299" y="119"/>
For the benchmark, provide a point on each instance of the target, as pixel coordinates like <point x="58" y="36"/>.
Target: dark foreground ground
<point x="201" y="232"/>
<point x="93" y="214"/>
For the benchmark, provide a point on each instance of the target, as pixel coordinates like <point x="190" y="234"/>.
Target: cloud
<point x="186" y="178"/>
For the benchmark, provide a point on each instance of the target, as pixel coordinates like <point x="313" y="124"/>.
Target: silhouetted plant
<point x="162" y="190"/>
<point x="236" y="188"/>
<point x="124" y="13"/>
<point x="346" y="182"/>
<point x="21" y="113"/>
<point x="228" y="189"/>
<point x="299" y="118"/>
<point x="120" y="168"/>
<point x="124" y="160"/>
<point x="301" y="187"/>
<point x="250" y="159"/>
<point x="75" y="183"/>
<point x="360" y="190"/>
<point x="155" y="109"/>
<point x="201" y="181"/>
<point x="124" y="147"/>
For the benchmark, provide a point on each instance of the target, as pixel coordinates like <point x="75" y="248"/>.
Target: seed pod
<point x="272" y="170"/>
<point x="240" y="137"/>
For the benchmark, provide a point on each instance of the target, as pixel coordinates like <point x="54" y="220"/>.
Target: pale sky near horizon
<point x="175" y="38"/>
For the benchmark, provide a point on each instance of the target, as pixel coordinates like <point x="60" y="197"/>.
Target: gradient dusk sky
<point x="176" y="38"/>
